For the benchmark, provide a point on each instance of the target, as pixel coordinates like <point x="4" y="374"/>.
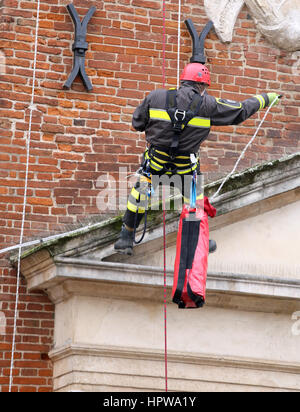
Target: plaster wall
<point x="267" y="244"/>
<point x="117" y="344"/>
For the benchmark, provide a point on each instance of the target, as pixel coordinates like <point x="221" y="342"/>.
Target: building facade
<point x="79" y="137"/>
<point x="109" y="312"/>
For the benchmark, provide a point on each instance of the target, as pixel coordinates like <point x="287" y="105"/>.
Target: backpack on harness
<point x="189" y="285"/>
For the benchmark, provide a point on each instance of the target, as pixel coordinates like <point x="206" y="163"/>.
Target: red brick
<point x="29" y="381"/>
<point x="28" y="389"/>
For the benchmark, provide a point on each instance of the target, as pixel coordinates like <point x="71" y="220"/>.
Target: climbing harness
<point x="157" y="162"/>
<point x="161" y="162"/>
<point x="180" y="118"/>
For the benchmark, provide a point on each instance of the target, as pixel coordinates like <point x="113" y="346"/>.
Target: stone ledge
<point x="173" y="356"/>
<point x="96" y="364"/>
<point x="89" y="277"/>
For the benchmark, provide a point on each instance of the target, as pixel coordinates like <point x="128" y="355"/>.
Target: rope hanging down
<point x="178" y="42"/>
<point x="164" y="198"/>
<point x="164" y="212"/>
<point x="31" y="108"/>
<point x="244" y="151"/>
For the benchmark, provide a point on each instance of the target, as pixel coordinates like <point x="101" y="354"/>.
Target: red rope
<point x="164" y="210"/>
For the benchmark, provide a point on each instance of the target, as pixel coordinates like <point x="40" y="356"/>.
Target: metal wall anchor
<point x="198" y="42"/>
<point x="80" y="46"/>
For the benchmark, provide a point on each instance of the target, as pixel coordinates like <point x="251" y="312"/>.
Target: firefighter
<point x="176" y="123"/>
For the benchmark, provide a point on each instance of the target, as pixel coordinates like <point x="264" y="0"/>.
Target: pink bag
<point x="189" y="285"/>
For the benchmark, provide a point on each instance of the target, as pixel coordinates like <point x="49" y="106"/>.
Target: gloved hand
<point x="272" y="97"/>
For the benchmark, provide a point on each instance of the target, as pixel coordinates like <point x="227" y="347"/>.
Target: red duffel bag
<point x="192" y="250"/>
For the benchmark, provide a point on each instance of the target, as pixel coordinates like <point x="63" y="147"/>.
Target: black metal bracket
<point x="80" y="46"/>
<point x="198" y="41"/>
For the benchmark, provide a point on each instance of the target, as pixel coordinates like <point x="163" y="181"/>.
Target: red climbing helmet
<point x="196" y="72"/>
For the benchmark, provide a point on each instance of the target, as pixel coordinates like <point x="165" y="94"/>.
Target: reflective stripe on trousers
<point x="137" y="200"/>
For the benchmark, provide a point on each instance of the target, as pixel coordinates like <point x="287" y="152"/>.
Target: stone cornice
<point x="173" y="356"/>
<point x="62" y="277"/>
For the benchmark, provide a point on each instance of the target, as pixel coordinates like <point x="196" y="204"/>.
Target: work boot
<point x="125" y="243"/>
<point x="212" y="246"/>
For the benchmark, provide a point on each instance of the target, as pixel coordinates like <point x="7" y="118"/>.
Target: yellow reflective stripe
<point x="181" y="164"/>
<point x="155" y="168"/>
<point x="159" y="114"/>
<point x="156" y="164"/>
<point x="261" y="100"/>
<point x="199" y="122"/>
<point x="227" y="104"/>
<point x="163" y="153"/>
<point x="137" y="195"/>
<point x="133" y="208"/>
<point x="168" y="156"/>
<point x="163" y="115"/>
<point x="159" y="160"/>
<point x="187" y="199"/>
<point x="182" y="157"/>
<point x="182" y="172"/>
<point x="175" y="164"/>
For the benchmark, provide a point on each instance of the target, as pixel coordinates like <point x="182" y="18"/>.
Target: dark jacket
<point x="151" y="117"/>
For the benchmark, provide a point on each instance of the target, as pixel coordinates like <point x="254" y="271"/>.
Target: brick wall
<point x="78" y="136"/>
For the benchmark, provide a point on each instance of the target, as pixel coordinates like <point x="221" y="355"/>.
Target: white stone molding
<point x="277" y="20"/>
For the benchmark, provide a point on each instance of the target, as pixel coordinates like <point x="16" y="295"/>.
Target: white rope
<point x="31" y="108"/>
<point x="178" y="42"/>
<point x="244" y="151"/>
